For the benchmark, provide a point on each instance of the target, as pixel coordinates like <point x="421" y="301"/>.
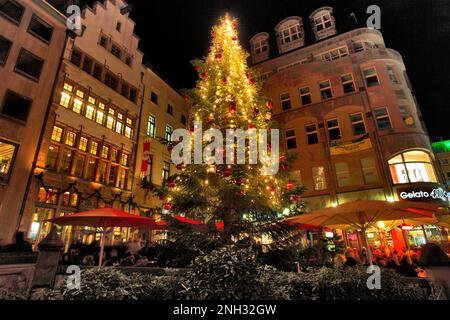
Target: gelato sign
<point x="424" y="194"/>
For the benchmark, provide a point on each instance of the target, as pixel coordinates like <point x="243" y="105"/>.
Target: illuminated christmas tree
<point x="246" y="197"/>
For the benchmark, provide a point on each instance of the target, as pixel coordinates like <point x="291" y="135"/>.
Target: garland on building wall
<point x="96" y="194"/>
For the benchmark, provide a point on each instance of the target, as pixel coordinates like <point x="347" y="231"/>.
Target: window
<point x="319" y="180"/>
<point x="408" y="119"/>
<point x="311" y="134"/>
<point x="100" y="119"/>
<point x="133" y="94"/>
<point x="83" y="144"/>
<point x="125" y="90"/>
<point x="11" y="10"/>
<point x="105" y="152"/>
<point x="169" y="131"/>
<point x="57" y="134"/>
<point x="5" y="46"/>
<point x="151" y="126"/>
<point x="80" y="94"/>
<point x="52" y="157"/>
<point x="65" y="100"/>
<point x="371" y="77"/>
<point x="102" y="172"/>
<point x="76" y="57"/>
<point x="358" y="46"/>
<point x="382" y="118"/>
<point x="68" y="87"/>
<point x="128" y="132"/>
<point x="305" y="96"/>
<point x="348" y="83"/>
<point x="90" y="112"/>
<point x="110" y="122"/>
<point x="290" y="32"/>
<point x="358" y="126"/>
<point x="322" y="21"/>
<point x="119" y="127"/>
<point x="87" y="65"/>
<point x="113" y="175"/>
<point x="70" y="199"/>
<point x="111" y="81"/>
<point x="115" y="155"/>
<point x="16" y="106"/>
<point x="261" y="46"/>
<point x="91" y="169"/>
<point x="116" y="51"/>
<point x="29" y="64"/>
<point x="325" y="90"/>
<point x="123" y="179"/>
<point x="94" y="148"/>
<point x="285" y="101"/>
<point x="291" y="140"/>
<point x="103" y="41"/>
<point x="7" y="155"/>
<point x="66" y="161"/>
<point x="333" y="129"/>
<point x="342" y="174"/>
<point x="77" y="106"/>
<point x="79" y="165"/>
<point x="412" y="166"/>
<point x="369" y="170"/>
<point x="98" y="71"/>
<point x="118" y="26"/>
<point x="40" y="29"/>
<point x="71" y="139"/>
<point x="334" y="54"/>
<point x="183" y="120"/>
<point x="154" y="98"/>
<point x="170" y="109"/>
<point x="166" y="171"/>
<point x="391" y="74"/>
<point x="124" y="159"/>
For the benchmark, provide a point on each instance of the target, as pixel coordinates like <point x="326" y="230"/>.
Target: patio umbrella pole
<point x="102" y="248"/>
<point x="369" y="252"/>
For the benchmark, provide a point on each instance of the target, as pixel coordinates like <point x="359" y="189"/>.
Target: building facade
<point x="88" y="153"/>
<point x="347" y="109"/>
<point x="32" y="40"/>
<point x="442" y="151"/>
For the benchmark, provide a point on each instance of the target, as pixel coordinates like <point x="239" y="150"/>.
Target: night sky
<point x="174" y="32"/>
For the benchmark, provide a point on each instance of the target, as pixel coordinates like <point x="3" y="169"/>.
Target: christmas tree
<point x="246" y="197"/>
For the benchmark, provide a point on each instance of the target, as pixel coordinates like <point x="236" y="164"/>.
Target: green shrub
<point x="228" y="273"/>
<point x="157" y="288"/>
<point x="12" y="295"/>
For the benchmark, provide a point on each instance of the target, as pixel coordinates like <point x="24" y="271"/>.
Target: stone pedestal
<point x="50" y="250"/>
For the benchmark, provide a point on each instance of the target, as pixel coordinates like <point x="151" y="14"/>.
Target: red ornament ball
<point x="255" y="112"/>
<point x="227" y="172"/>
<point x="232" y="107"/>
<point x="235" y="38"/>
<point x="282" y="158"/>
<point x="205" y="75"/>
<point x="238" y="182"/>
<point x="167" y="206"/>
<point x="289" y="185"/>
<point x="269" y="105"/>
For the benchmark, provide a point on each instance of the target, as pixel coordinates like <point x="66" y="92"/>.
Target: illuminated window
<point x="358" y="126"/>
<point x="65" y="100"/>
<point x="291" y="140"/>
<point x="342" y="174"/>
<point x="130" y="121"/>
<point x="90" y="111"/>
<point x="371" y="77"/>
<point x="83" y="144"/>
<point x="77" y="105"/>
<point x="91" y="169"/>
<point x="348" y="84"/>
<point x="151" y="126"/>
<point x="123" y="179"/>
<point x="94" y="148"/>
<point x="119" y="127"/>
<point x="369" y="170"/>
<point x="101" y="105"/>
<point x="92" y="100"/>
<point x="79" y="165"/>
<point x="113" y="175"/>
<point x="111" y="111"/>
<point x="166" y="171"/>
<point x="7" y="156"/>
<point x="333" y="129"/>
<point x="100" y="117"/>
<point x="71" y="139"/>
<point x="80" y="94"/>
<point x="120" y="116"/>
<point x="52" y="157"/>
<point x="115" y="155"/>
<point x="66" y="161"/>
<point x="169" y="131"/>
<point x="305" y="96"/>
<point x="105" y="152"/>
<point x="383" y="119"/>
<point x="411" y="167"/>
<point x="319" y="180"/>
<point x="110" y="122"/>
<point x="57" y="134"/>
<point x="128" y="132"/>
<point x="124" y="160"/>
<point x="102" y="172"/>
<point x="325" y="90"/>
<point x="285" y="101"/>
<point x="311" y="134"/>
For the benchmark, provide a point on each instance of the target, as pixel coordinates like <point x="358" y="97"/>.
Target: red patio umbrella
<point x="104" y="218"/>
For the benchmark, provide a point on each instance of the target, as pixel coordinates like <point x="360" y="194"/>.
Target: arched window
<point x="260" y="47"/>
<point x="411" y="167"/>
<point x="323" y="23"/>
<point x="290" y="34"/>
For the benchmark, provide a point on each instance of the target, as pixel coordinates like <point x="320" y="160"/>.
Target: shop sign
<point x="351" y="147"/>
<point x="423" y="194"/>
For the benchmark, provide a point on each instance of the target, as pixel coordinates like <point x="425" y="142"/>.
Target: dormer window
<point x="323" y="23"/>
<point x="260" y="47"/>
<point x="290" y="34"/>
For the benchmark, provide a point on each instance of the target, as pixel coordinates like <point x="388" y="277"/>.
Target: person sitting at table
<point x="127" y="260"/>
<point x="406" y="268"/>
<point x="113" y="259"/>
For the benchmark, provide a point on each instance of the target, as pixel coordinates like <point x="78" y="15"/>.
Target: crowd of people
<point x="408" y="263"/>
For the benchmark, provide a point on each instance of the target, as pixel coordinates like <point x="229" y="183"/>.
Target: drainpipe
<point x="41" y="137"/>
